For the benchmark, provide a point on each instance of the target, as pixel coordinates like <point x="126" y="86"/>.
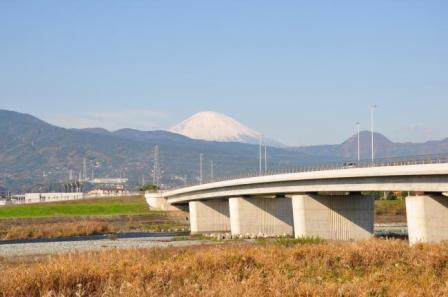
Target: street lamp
<point x="201" y="172"/>
<point x="260" y="157"/>
<point x="372" y="122"/>
<point x="359" y="151"/>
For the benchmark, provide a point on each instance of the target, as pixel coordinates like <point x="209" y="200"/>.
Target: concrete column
<point x="348" y="217"/>
<point x="209" y="216"/>
<point x="271" y="216"/>
<point x="427" y="217"/>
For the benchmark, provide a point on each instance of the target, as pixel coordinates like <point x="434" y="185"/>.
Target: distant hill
<point x="33" y="153"/>
<point x="383" y="147"/>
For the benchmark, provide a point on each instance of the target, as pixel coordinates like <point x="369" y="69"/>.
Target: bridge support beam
<point x="342" y="217"/>
<point x="209" y="216"/>
<point x="270" y="216"/>
<point x="427" y="217"/>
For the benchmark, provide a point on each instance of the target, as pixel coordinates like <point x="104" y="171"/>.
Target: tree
<point x="149" y="188"/>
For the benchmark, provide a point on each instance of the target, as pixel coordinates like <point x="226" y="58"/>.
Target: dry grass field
<point x="390" y="211"/>
<point x="369" y="268"/>
<point x="47" y="230"/>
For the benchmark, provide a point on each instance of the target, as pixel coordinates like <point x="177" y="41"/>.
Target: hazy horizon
<point x="277" y="144"/>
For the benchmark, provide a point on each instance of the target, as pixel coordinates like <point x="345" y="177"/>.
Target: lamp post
<point x="372" y="123"/>
<point x="201" y="172"/>
<point x="260" y="157"/>
<point x="359" y="150"/>
<point x="265" y="159"/>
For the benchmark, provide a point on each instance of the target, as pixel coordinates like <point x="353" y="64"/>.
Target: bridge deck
<point x="423" y="177"/>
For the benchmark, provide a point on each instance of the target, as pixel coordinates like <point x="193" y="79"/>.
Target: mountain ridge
<point x="33" y="152"/>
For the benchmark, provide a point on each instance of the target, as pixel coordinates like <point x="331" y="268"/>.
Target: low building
<point x="50" y="197"/>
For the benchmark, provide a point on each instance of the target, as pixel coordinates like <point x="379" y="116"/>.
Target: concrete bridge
<point x="331" y="204"/>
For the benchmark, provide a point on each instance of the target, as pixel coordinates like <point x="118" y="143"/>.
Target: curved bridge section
<point x="411" y="178"/>
<point x="330" y="204"/>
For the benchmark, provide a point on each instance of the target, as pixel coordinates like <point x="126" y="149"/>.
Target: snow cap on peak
<point x="214" y="126"/>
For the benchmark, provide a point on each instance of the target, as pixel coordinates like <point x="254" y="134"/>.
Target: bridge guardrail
<point x="337" y="165"/>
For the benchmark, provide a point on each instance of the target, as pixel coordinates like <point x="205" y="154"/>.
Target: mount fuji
<point x="214" y="126"/>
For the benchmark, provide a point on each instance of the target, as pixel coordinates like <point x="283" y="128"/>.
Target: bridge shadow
<point x="220" y="206"/>
<point x="279" y="208"/>
<point x="345" y="213"/>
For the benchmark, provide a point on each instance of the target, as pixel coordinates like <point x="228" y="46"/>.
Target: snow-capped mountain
<point x="213" y="126"/>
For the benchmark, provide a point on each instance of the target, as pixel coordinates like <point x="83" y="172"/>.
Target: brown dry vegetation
<point x="82" y="228"/>
<point x="369" y="268"/>
<point x="53" y="227"/>
<point x="75" y="226"/>
<point x="390" y="211"/>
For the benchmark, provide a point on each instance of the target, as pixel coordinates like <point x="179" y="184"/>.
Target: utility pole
<point x="211" y="170"/>
<point x="372" y="123"/>
<point x="359" y="150"/>
<point x="201" y="173"/>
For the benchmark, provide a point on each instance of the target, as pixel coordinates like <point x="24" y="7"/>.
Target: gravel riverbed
<point x="152" y="241"/>
<point x="43" y="248"/>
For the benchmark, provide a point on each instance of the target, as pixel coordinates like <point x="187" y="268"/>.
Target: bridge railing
<point x="337" y="165"/>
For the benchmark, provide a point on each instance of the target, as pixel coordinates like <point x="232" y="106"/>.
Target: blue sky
<point x="301" y="72"/>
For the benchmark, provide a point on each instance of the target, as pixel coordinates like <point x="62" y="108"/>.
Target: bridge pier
<point x="341" y="217"/>
<point x="209" y="216"/>
<point x="270" y="216"/>
<point x="427" y="217"/>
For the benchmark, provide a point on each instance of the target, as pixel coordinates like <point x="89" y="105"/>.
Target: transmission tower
<point x="84" y="169"/>
<point x="156" y="174"/>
